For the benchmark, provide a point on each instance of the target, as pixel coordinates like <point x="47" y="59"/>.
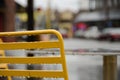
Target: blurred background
<point x="86" y="26"/>
<point x="88" y="19"/>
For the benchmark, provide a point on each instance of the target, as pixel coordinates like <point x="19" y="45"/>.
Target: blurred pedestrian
<point x="40" y="19"/>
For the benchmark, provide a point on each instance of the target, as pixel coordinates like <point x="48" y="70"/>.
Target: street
<point x="90" y="44"/>
<point x="87" y="67"/>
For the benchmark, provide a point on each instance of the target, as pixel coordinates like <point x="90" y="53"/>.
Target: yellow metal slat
<point x="2" y="53"/>
<point x="33" y="73"/>
<point x="3" y="66"/>
<point x="31" y="60"/>
<point x="29" y="45"/>
<point x="32" y="32"/>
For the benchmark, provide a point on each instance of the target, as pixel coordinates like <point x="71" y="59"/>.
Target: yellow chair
<point x="35" y="60"/>
<point x="3" y="65"/>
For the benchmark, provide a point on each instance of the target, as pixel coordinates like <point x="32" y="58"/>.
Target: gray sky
<point x="59" y="4"/>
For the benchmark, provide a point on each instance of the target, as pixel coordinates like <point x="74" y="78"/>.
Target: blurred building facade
<point x="101" y="13"/>
<point x="66" y="22"/>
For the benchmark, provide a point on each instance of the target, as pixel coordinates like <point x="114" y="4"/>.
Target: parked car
<point x="79" y="33"/>
<point x="92" y="32"/>
<point x="111" y="34"/>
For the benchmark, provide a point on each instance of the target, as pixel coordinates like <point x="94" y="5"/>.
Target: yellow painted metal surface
<point x="31" y="60"/>
<point x="3" y="65"/>
<point x="34" y="73"/>
<point x="34" y="60"/>
<point x="30" y="45"/>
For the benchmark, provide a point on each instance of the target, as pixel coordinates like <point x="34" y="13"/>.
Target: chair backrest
<point x="3" y="65"/>
<point x="34" y="60"/>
